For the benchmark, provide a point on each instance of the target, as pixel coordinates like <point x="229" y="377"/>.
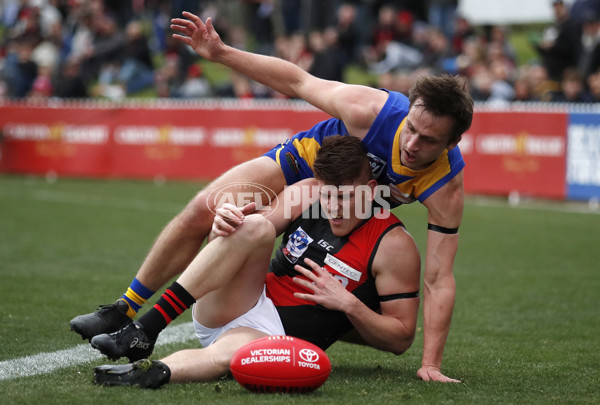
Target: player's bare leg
<point x="228" y="278"/>
<point x="225" y="281"/>
<point x="212" y="362"/>
<point x="179" y="242"/>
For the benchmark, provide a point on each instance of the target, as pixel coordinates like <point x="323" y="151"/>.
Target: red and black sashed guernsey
<point x="347" y="258"/>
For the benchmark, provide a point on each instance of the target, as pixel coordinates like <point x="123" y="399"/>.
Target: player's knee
<point x="257" y="229"/>
<point x="197" y="214"/>
<point x="221" y="363"/>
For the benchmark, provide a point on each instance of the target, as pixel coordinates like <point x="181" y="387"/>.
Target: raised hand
<point x="201" y="36"/>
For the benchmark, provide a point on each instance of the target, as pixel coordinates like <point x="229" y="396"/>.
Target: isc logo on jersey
<point x="296" y="245"/>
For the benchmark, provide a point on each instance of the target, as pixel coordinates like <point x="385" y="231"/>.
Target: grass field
<point x="525" y="328"/>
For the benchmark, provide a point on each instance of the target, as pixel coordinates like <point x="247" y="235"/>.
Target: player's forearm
<point x="438" y="295"/>
<point x="438" y="304"/>
<point x="382" y="332"/>
<point x="276" y="73"/>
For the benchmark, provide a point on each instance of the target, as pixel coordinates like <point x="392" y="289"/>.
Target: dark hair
<point x="341" y="160"/>
<point x="445" y="96"/>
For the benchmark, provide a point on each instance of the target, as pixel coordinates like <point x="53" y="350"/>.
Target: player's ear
<point x="372" y="184"/>
<point x="453" y="144"/>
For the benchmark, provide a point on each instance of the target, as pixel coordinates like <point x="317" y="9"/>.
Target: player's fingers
<point x="248" y="208"/>
<point x="218" y="232"/>
<point x="209" y="25"/>
<point x="442" y="378"/>
<point x="222" y="225"/>
<point x="176" y="26"/>
<point x="231" y="213"/>
<point x="312" y="264"/>
<point x="305" y="272"/>
<point x="306" y="297"/>
<point x="185" y="40"/>
<point x="184" y="26"/>
<point x="304" y="283"/>
<point x="197" y="21"/>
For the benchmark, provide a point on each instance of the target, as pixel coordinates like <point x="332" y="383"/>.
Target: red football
<point x="280" y="364"/>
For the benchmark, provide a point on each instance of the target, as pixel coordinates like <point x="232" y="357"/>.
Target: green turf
<point x="525" y="326"/>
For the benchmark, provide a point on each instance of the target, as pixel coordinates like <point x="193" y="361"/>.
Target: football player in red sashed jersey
<point x="345" y="264"/>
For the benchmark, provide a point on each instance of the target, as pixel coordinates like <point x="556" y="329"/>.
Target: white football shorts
<point x="263" y="317"/>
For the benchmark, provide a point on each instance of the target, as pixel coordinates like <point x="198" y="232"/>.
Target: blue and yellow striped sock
<point x="135" y="296"/>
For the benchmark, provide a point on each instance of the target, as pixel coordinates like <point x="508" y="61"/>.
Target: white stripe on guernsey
<point x="43" y="363"/>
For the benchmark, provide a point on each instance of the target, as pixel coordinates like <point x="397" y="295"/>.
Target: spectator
<point x="498" y="35"/>
<point x="48" y="14"/>
<point x="195" y="85"/>
<point x="22" y="70"/>
<point x="462" y="31"/>
<point x="83" y="43"/>
<point x="572" y="89"/>
<point x="265" y="23"/>
<point x="522" y="90"/>
<point x="481" y="84"/>
<point x="404" y="27"/>
<point x="437" y="53"/>
<point x="347" y="32"/>
<point x="502" y="87"/>
<point x="326" y="62"/>
<point x="580" y="9"/>
<point x="291" y="12"/>
<point x="136" y="70"/>
<point x="560" y="44"/>
<point x="168" y="77"/>
<point x="239" y="87"/>
<point x="69" y="83"/>
<point x="593" y="83"/>
<point x="589" y="59"/>
<point x="107" y="45"/>
<point x="382" y="34"/>
<point x="293" y="49"/>
<point x="539" y="83"/>
<point x="42" y="85"/>
<point x="441" y="14"/>
<point x="473" y="55"/>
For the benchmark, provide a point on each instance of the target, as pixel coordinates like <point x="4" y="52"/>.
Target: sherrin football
<point x="280" y="364"/>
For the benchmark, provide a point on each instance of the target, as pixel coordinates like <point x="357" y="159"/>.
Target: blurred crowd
<point x="115" y="49"/>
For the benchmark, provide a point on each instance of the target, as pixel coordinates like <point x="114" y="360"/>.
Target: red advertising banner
<point x="516" y="152"/>
<point x="505" y="150"/>
<point x="170" y="139"/>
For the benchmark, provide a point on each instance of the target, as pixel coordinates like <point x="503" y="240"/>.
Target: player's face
<point x="347" y="206"/>
<point x="423" y="138"/>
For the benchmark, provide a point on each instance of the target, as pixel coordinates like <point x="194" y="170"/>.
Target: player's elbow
<point x="403" y="343"/>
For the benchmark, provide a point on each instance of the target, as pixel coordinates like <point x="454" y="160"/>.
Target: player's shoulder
<point x="391" y="230"/>
<point x="397" y="251"/>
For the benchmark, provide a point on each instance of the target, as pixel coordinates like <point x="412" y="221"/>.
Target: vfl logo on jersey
<point x="377" y="165"/>
<point x="296" y="245"/>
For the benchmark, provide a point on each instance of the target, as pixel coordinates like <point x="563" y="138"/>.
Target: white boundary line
<point x="43" y="363"/>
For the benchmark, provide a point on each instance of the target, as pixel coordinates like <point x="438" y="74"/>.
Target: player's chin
<point x="340" y="227"/>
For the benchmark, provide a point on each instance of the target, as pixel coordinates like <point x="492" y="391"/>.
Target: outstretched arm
<point x="445" y="208"/>
<point x="356" y="105"/>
